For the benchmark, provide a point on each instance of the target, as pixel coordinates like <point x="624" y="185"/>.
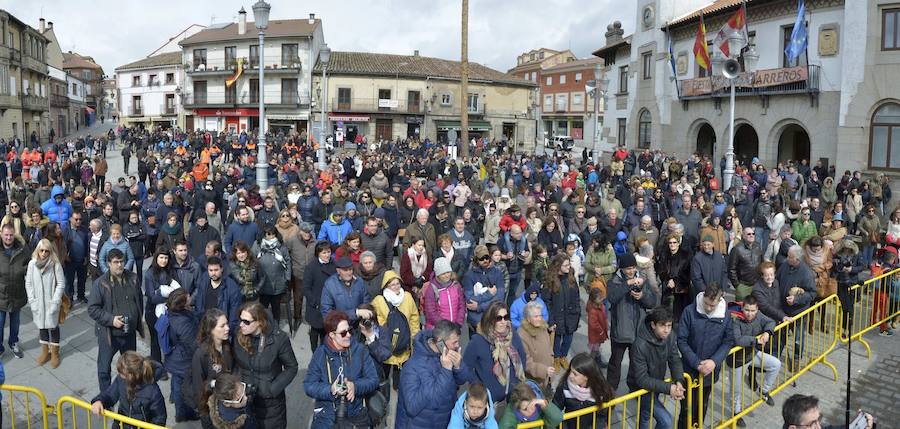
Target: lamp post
<point x="324" y="56"/>
<point x="730" y="69"/>
<point x="600" y="82"/>
<point x="261" y="20"/>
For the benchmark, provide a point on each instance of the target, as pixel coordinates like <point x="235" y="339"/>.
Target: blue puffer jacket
<point x="237" y="231"/>
<point x="479" y="358"/>
<point x="183" y="338"/>
<point x="426" y="388"/>
<point x="459" y="420"/>
<point x="702" y="336"/>
<point x="487" y="277"/>
<point x="334" y="232"/>
<point x="57" y="212"/>
<point x="336" y="296"/>
<point x="110" y="245"/>
<point x="357" y="366"/>
<point x="148" y="403"/>
<point x="517" y="310"/>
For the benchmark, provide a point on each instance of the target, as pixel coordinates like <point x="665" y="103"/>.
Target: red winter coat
<point x="597" y="331"/>
<point x="507" y="221"/>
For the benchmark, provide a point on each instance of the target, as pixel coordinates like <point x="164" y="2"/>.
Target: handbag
<point x="64" y="307"/>
<point x="377" y="404"/>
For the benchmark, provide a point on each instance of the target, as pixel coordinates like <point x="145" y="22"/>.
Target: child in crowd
<point x="527" y="404"/>
<point x="135" y="390"/>
<point x="474" y="409"/>
<point x="598" y="331"/>
<point x="582" y="386"/>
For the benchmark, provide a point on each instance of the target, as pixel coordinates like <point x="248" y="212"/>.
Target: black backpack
<point x="398" y="327"/>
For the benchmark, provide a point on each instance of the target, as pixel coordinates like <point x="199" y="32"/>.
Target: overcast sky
<point x="117" y="32"/>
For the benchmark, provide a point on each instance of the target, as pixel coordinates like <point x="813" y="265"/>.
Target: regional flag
<point x="736" y="25"/>
<point x="799" y="39"/>
<point x="701" y="52"/>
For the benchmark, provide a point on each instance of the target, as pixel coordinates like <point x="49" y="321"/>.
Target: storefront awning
<point x="454" y="125"/>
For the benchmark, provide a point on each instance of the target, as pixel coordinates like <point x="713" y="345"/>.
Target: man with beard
<point x="186" y="270"/>
<point x="267" y="217"/>
<point x="217" y="290"/>
<point x="200" y="234"/>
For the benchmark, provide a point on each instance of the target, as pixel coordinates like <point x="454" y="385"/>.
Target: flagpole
<point x="671" y="50"/>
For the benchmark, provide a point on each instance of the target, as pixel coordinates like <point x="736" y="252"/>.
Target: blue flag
<point x="798" y="36"/>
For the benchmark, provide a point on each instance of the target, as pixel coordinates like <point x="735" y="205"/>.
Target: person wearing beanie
<point x="394" y="300"/>
<point x="629" y="301"/>
<point x="443" y="297"/>
<point x="483" y="284"/>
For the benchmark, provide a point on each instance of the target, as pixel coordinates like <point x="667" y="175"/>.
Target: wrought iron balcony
<point x="790" y="80"/>
<point x="33" y="102"/>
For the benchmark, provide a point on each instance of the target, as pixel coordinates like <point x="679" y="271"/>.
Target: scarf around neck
<point x="417" y="263"/>
<point x="392" y="297"/>
<point x="505" y="355"/>
<point x="582" y="394"/>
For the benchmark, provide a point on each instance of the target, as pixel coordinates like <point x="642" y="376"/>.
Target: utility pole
<point x="464" y="84"/>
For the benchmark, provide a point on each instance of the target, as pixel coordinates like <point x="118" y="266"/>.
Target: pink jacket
<point x="447" y="303"/>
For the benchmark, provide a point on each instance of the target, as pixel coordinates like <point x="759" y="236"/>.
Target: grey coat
<point x="381" y="245"/>
<point x="627" y="314"/>
<point x="45" y="289"/>
<point x="745" y="334"/>
<point x="276" y="266"/>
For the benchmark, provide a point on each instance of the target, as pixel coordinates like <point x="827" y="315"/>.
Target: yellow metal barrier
<point x="122" y="422"/>
<point x="876" y="303"/>
<point x="19" y="398"/>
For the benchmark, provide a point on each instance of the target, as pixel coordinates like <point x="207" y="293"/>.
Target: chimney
<point x="312" y="19"/>
<point x="50" y="25"/>
<point x="242" y="21"/>
<point x="43" y="26"/>
<point x="416" y="53"/>
<point x="614" y="32"/>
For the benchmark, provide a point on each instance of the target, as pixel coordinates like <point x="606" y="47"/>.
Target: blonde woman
<point x="45" y="285"/>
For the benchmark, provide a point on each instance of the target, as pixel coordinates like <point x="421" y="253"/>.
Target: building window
<point x="384" y="100"/>
<point x="199" y="58"/>
<point x="562" y="102"/>
<point x="446" y="99"/>
<point x="88" y="75"/>
<point x="289" y="93"/>
<point x="786" y="41"/>
<point x="620" y="134"/>
<point x="153" y="80"/>
<point x="254" y="56"/>
<point x="647" y="61"/>
<point x="577" y="101"/>
<point x="231" y="57"/>
<point x="890" y="29"/>
<point x="135" y="81"/>
<point x="343" y="100"/>
<point x="74" y="89"/>
<point x="562" y="79"/>
<point x="623" y="80"/>
<point x="413" y="101"/>
<point x="644" y="122"/>
<point x="231" y="94"/>
<point x="549" y="80"/>
<point x="473" y="104"/>
<point x="200" y="92"/>
<point x="137" y="106"/>
<point x="170" y="104"/>
<point x="885" y="125"/>
<point x="290" y="56"/>
<point x="534" y="76"/>
<point x="548" y="102"/>
<point x="578" y="77"/>
<point x="254" y="90"/>
<point x="170" y="78"/>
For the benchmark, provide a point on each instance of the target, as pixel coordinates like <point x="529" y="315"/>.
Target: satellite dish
<point x="731" y="69"/>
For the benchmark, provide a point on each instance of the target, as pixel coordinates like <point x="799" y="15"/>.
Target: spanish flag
<point x="240" y="69"/>
<point x="701" y="51"/>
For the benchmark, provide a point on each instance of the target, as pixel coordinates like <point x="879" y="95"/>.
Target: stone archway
<point x="706" y="140"/>
<point x="793" y="143"/>
<point x="746" y="143"/>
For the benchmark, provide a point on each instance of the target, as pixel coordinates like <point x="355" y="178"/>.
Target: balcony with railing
<point x="7" y="53"/>
<point x="57" y="100"/>
<point x="789" y="80"/>
<point x="9" y="101"/>
<point x="218" y="99"/>
<point x="210" y="67"/>
<point x="167" y="109"/>
<point x="35" y="65"/>
<point x="135" y="112"/>
<point x="376" y="105"/>
<point x="36" y="103"/>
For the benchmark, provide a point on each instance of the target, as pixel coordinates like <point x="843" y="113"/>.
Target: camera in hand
<point x="636" y="288"/>
<point x="340" y="411"/>
<point x="367" y="323"/>
<point x="126" y="321"/>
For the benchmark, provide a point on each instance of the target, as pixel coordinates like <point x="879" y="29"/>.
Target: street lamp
<point x="324" y="56"/>
<point x="730" y="68"/>
<point x="261" y="20"/>
<point x="600" y="82"/>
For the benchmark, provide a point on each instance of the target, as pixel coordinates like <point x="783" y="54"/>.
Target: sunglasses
<point x="246" y="322"/>
<point x="750" y="233"/>
<point x="344" y="334"/>
<point x="238" y="400"/>
<point x="503" y="317"/>
<point x="484" y="258"/>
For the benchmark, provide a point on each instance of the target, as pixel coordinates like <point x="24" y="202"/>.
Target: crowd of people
<point x="392" y="259"/>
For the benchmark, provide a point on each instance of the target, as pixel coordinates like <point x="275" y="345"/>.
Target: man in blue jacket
<point x="335" y="229"/>
<point x="482" y="284"/>
<point x="344" y="291"/>
<point x="705" y="336"/>
<point x="241" y="230"/>
<point x="57" y="208"/>
<point x="216" y="290"/>
<point x="77" y="239"/>
<point x="430" y="378"/>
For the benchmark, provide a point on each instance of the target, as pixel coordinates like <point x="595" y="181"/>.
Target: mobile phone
<point x="860" y="422"/>
<point x="443" y="348"/>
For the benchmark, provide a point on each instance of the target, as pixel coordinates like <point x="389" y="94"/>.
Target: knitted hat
<point x="442" y="266"/>
<point x="627" y="260"/>
<point x="349" y="206"/>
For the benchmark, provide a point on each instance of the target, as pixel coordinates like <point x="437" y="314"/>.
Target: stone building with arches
<point x="838" y="103"/>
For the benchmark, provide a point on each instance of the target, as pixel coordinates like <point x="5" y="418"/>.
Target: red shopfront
<point x="231" y="120"/>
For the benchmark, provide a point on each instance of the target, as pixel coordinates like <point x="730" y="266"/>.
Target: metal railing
<point x="57" y="100"/>
<point x="876" y="303"/>
<point x="76" y="404"/>
<point x="19" y="403"/>
<point x="34" y="102"/>
<point x="226" y="66"/>
<point x="376" y="105"/>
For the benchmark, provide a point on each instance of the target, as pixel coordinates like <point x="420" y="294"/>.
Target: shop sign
<point x="759" y="79"/>
<point x="348" y="118"/>
<point x="226" y="112"/>
<point x="393" y="104"/>
<point x="415" y="119"/>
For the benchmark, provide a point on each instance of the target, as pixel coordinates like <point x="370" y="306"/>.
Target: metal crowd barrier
<point x="121" y="422"/>
<point x="20" y="403"/>
<point x="875" y="303"/>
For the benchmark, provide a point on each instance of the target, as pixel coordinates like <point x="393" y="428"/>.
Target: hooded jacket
<point x="650" y="357"/>
<point x="57" y="212"/>
<point x="517" y="310"/>
<point x="458" y="419"/>
<point x="443" y="303"/>
<point x="426" y="388"/>
<point x="183" y="336"/>
<point x="357" y="366"/>
<point x="407" y="308"/>
<point x="626" y="313"/>
<point x="704" y="336"/>
<point x="335" y="232"/>
<point x="745" y="333"/>
<point x="476" y="279"/>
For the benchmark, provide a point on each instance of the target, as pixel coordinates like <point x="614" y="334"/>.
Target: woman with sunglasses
<point x="15" y="217"/>
<point x="496" y="353"/>
<point x="212" y="360"/>
<point x="341" y="374"/>
<point x="45" y="284"/>
<point x="264" y="357"/>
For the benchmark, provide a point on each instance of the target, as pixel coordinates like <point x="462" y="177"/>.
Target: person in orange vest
<point x="180" y="150"/>
<point x="36" y="156"/>
<point x="251" y="146"/>
<point x="200" y="171"/>
<point x="205" y="156"/>
<point x="50" y="156"/>
<point x="235" y="150"/>
<point x="214" y="152"/>
<point x="11" y="155"/>
<point x="26" y="164"/>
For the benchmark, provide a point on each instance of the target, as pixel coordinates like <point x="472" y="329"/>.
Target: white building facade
<point x="149" y="89"/>
<point x="833" y="104"/>
<point x="216" y="54"/>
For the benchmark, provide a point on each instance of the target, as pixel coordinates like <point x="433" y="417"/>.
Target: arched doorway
<point x="706" y="140"/>
<point x="793" y="144"/>
<point x="746" y="144"/>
